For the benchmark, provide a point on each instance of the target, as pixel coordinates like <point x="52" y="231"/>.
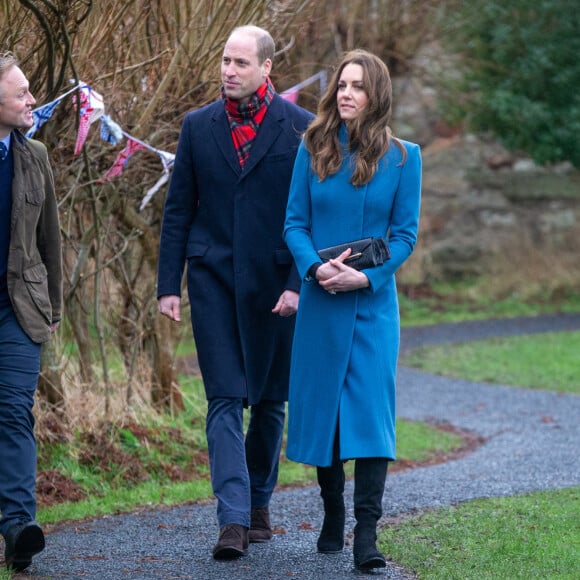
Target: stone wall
<point x="487" y="212"/>
<point x="482" y="207"/>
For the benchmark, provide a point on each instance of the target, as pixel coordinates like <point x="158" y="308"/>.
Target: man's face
<point x="242" y="73"/>
<point x="16" y="102"/>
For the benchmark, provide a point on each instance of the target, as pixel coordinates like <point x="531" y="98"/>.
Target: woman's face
<point x="351" y="97"/>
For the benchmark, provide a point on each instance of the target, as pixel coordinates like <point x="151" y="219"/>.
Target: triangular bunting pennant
<point x="41" y="116"/>
<point x="290" y="95"/>
<point x="121" y="160"/>
<point x="91" y="109"/>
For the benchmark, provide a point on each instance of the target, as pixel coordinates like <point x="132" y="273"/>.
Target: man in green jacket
<point x="30" y="306"/>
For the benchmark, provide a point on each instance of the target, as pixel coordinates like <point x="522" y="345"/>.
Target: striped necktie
<point x="3" y="151"/>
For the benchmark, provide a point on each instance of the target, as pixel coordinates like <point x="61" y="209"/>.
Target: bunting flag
<point x="167" y="159"/>
<point x="92" y="108"/>
<point x="121" y="160"/>
<point x="41" y="116"/>
<point x="290" y="95"/>
<point x="153" y="190"/>
<point x="110" y="131"/>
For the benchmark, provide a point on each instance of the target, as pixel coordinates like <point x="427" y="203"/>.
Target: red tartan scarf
<point x="245" y="118"/>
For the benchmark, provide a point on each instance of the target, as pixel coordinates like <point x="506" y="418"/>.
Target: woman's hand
<point x="335" y="276"/>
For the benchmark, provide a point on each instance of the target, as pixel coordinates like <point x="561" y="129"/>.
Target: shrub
<point x="518" y="74"/>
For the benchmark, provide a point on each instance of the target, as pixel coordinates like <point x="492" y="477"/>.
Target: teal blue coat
<point x="346" y="345"/>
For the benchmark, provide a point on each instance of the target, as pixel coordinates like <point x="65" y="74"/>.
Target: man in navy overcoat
<point x="224" y="217"/>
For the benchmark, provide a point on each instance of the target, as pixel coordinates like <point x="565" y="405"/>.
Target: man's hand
<point x="287" y="304"/>
<point x="170" y="306"/>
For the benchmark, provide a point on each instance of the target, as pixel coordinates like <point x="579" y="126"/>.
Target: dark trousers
<point x="244" y="470"/>
<point x="19" y="369"/>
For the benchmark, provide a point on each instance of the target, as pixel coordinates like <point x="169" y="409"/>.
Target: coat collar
<point x="19" y="141"/>
<point x="267" y="135"/>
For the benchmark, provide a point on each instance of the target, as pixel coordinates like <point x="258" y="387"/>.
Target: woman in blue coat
<point x="351" y="180"/>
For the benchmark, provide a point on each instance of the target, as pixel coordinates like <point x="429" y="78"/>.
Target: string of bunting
<point x="91" y="108"/>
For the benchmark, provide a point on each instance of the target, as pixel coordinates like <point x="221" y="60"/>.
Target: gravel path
<point x="531" y="440"/>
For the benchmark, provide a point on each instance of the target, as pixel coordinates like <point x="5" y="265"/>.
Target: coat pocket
<point x="34" y="203"/>
<point x="196" y="249"/>
<point x="35" y="196"/>
<point x="36" y="281"/>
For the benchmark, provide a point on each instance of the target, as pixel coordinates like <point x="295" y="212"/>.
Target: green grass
<point x="469" y="300"/>
<point x="543" y="361"/>
<point x="532" y="536"/>
<point x="127" y="499"/>
<point x="412" y="437"/>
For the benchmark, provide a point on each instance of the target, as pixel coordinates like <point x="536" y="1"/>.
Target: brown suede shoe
<point x="232" y="542"/>
<point x="260" y="529"/>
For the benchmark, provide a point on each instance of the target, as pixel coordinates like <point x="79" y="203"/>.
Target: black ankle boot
<point x="369" y="485"/>
<point x="365" y="552"/>
<point x="331" y="481"/>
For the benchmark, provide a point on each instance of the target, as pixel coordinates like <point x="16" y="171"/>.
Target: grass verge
<point x="470" y="300"/>
<point x="544" y="361"/>
<point x="530" y="536"/>
<point x="122" y="479"/>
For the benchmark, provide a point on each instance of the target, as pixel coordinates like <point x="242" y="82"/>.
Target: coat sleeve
<point x="48" y="236"/>
<point x="404" y="223"/>
<point x="297" y="226"/>
<point x="178" y="216"/>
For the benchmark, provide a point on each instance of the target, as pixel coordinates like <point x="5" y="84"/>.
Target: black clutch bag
<point x="366" y="253"/>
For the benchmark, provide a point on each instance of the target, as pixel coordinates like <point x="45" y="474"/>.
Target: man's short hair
<point x="265" y="42"/>
<point x="7" y="61"/>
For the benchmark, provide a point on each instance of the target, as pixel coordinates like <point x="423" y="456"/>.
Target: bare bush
<point x="152" y="60"/>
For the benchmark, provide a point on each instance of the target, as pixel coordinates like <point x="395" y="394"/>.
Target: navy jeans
<point x="19" y="369"/>
<point x="244" y="471"/>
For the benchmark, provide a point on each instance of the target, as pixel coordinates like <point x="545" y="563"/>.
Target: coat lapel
<point x="267" y="134"/>
<point x="221" y="133"/>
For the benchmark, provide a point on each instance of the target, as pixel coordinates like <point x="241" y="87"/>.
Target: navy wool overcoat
<point x="226" y="223"/>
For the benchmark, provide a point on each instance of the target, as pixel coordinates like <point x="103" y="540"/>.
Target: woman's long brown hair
<point x="369" y="134"/>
